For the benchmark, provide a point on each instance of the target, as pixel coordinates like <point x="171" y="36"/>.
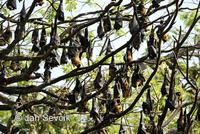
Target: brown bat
<point x="118" y="20"/>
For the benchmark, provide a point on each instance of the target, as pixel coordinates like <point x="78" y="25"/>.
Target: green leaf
<point x="120" y="32"/>
<point x="71" y="5"/>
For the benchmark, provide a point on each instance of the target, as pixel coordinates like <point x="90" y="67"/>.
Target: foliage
<point x="93" y="66"/>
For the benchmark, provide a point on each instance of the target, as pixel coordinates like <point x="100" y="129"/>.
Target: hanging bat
<point x="126" y="92"/>
<point x="143" y="24"/>
<point x="94" y="113"/>
<point x="135" y="31"/>
<point x="60" y="12"/>
<point x="107" y="23"/>
<point x="20" y="31"/>
<point x="43" y="39"/>
<point x="137" y="40"/>
<point x="54" y="38"/>
<point x="117" y="88"/>
<point x="76" y="60"/>
<point x="2" y="75"/>
<point x="151" y="46"/>
<point x="137" y="77"/>
<point x="6" y="37"/>
<point x="112" y="68"/>
<point x="63" y="59"/>
<point x="11" y="4"/>
<point x="55" y="61"/>
<point x="100" y="29"/>
<point x="23" y="13"/>
<point x="83" y="106"/>
<point x="171" y="104"/>
<point x="71" y="97"/>
<point x="74" y="53"/>
<point x="35" y="40"/>
<point x="117" y="108"/>
<point x="47" y="63"/>
<point x="108" y="48"/>
<point x="147" y="106"/>
<point x="152" y="52"/>
<point x="105" y="96"/>
<point x="85" y="43"/>
<point x="72" y="50"/>
<point x="47" y="75"/>
<point x="23" y="70"/>
<point x="149" y="100"/>
<point x="108" y="102"/>
<point x="89" y="52"/>
<point x="87" y="48"/>
<point x="77" y="89"/>
<point x="163" y="88"/>
<point x="164" y="37"/>
<point x="35" y="35"/>
<point x="141" y="9"/>
<point x="83" y="91"/>
<point x="98" y="80"/>
<point x="129" y="54"/>
<point x="118" y="20"/>
<point x="133" y="25"/>
<point x="180" y="122"/>
<point x="151" y="127"/>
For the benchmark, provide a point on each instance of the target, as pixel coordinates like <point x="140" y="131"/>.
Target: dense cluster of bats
<point x="80" y="43"/>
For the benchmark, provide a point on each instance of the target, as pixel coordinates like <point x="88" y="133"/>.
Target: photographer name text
<point x="45" y="117"/>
